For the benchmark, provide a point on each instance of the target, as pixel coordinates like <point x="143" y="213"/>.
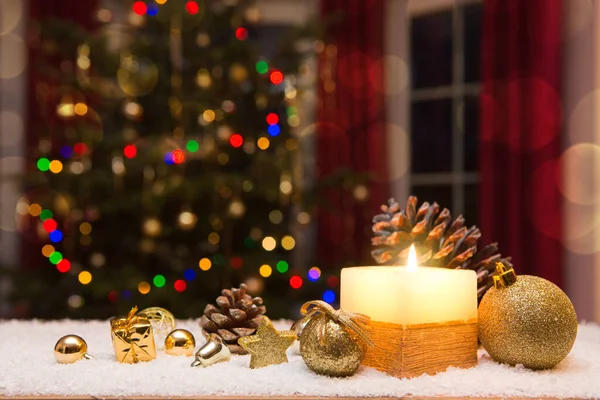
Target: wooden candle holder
<point x="413" y="350"/>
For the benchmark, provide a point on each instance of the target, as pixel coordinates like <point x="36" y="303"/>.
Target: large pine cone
<point x="236" y="315"/>
<point x="439" y="241"/>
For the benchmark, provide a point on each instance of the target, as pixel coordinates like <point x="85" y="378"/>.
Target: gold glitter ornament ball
<point x="328" y="348"/>
<point x="526" y="320"/>
<point x="162" y="321"/>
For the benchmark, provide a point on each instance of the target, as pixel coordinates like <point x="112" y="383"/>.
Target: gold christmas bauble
<point x="180" y="343"/>
<point x="162" y="321"/>
<point x="526" y="320"/>
<point x="328" y="348"/>
<point x="70" y="348"/>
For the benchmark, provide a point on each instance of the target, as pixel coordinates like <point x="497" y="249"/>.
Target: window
<point x="445" y="54"/>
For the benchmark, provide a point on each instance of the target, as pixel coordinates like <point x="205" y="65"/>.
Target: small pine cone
<point x="236" y="315"/>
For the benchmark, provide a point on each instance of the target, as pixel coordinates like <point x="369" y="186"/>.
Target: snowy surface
<point x="27" y="367"/>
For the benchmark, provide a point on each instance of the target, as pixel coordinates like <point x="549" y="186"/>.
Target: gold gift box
<point x="132" y="337"/>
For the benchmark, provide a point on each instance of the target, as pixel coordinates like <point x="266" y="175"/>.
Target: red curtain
<point x="350" y="129"/>
<point x="520" y="125"/>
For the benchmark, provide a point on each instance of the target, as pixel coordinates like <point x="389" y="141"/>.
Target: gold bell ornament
<point x="180" y="343"/>
<point x="333" y="342"/>
<point x="71" y="348"/>
<point x="526" y="320"/>
<point x="212" y="352"/>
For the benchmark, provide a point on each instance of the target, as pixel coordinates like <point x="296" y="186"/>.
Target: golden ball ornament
<point x="180" y="342"/>
<point x="526" y="320"/>
<point x="162" y="321"/>
<point x="328" y="347"/>
<point x="70" y="348"/>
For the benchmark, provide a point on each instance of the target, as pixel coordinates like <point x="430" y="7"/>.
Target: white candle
<point x="410" y="295"/>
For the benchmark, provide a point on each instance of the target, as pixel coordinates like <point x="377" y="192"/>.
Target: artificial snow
<point x="27" y="367"/>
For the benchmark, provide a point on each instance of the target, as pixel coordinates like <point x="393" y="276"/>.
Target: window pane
<point x="473" y="15"/>
<point x="471" y="133"/>
<point x="441" y="194"/>
<point x="471" y="210"/>
<point x="431" y="50"/>
<point x="431" y="134"/>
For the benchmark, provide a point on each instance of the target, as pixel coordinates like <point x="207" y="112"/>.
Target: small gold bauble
<point x="530" y="321"/>
<point x="70" y="348"/>
<point x="162" y="321"/>
<point x="329" y="348"/>
<point x="180" y="343"/>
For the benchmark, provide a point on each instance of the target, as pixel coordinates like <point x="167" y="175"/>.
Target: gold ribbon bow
<point x="348" y="319"/>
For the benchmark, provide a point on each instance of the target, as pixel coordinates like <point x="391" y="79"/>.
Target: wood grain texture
<point x="425" y="348"/>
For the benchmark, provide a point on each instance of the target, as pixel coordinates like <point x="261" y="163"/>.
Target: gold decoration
<point x="71" y="348"/>
<point x="333" y="342"/>
<point x="212" y="352"/>
<point x="526" y="320"/>
<point x="180" y="343"/>
<point x="132" y="338"/>
<point x="162" y="321"/>
<point x="267" y="346"/>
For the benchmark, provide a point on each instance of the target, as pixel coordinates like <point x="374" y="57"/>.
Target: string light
<point x="50" y="225"/>
<point x="84" y="277"/>
<point x="205" y="264"/>
<point x="80" y="148"/>
<point x="179" y="285"/>
<point x="56" y="236"/>
<point x="66" y="151"/>
<point x="81" y="109"/>
<point x="139" y="7"/>
<point x="265" y="270"/>
<point x="43" y="164"/>
<point x="126" y="294"/>
<point x="329" y="296"/>
<point x="296" y="282"/>
<point x="236" y="140"/>
<point x="241" y="33"/>
<point x="85" y="228"/>
<point x="159" y="281"/>
<point x="45" y="214"/>
<point x="113" y="296"/>
<point x="333" y="281"/>
<point x="55" y="166"/>
<point x="274" y="130"/>
<point x="192" y="7"/>
<point x="178" y="156"/>
<point x="168" y="158"/>
<point x="269" y="243"/>
<point x="192" y="146"/>
<point x="160" y="1"/>
<point x="272" y="118"/>
<point x="152" y="9"/>
<point x="263" y="143"/>
<point x="237" y="262"/>
<point x="47" y="250"/>
<point x="282" y="266"/>
<point x="288" y="242"/>
<point x="262" y="67"/>
<point x="144" y="287"/>
<point x="35" y="210"/>
<point x="63" y="266"/>
<point x="276" y="77"/>
<point x="130" y="151"/>
<point x="55" y="257"/>
<point x="314" y="274"/>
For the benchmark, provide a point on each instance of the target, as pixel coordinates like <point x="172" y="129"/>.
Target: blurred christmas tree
<point x="164" y="164"/>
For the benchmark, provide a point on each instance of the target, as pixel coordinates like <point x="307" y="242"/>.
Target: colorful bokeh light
<point x="55" y="166"/>
<point x="241" y="33"/>
<point x="262" y="67"/>
<point x="296" y="282"/>
<point x="333" y="281"/>
<point x="265" y="270"/>
<point x="43" y="164"/>
<point x="329" y="296"/>
<point x="314" y="274"/>
<point x="272" y="118"/>
<point x="50" y="225"/>
<point x="152" y="9"/>
<point x="179" y="285"/>
<point x="192" y="146"/>
<point x="56" y="236"/>
<point x="237" y="262"/>
<point x="276" y="77"/>
<point x="178" y="156"/>
<point x="66" y="151"/>
<point x="80" y="148"/>
<point x="85" y="277"/>
<point x="168" y="158"/>
<point x="236" y="140"/>
<point x="189" y="274"/>
<point x="45" y="214"/>
<point x="144" y="287"/>
<point x="139" y="7"/>
<point x="130" y="151"/>
<point x="192" y="7"/>
<point x="63" y="266"/>
<point x="55" y="257"/>
<point x="274" y="130"/>
<point x="205" y="264"/>
<point x="159" y="281"/>
<point x="282" y="266"/>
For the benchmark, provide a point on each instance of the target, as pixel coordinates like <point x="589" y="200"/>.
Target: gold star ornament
<point x="268" y="345"/>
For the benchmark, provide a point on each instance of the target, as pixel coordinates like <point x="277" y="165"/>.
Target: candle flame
<point x="412" y="259"/>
